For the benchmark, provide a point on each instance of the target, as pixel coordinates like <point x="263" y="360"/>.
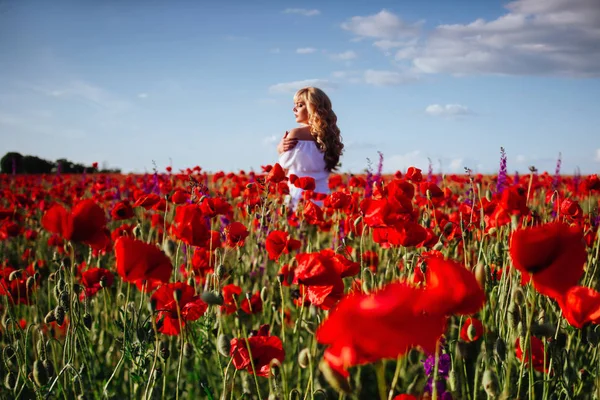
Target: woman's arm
<point x="286" y="143"/>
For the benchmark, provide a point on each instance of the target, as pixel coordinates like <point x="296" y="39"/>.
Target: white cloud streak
<point x="302" y="11"/>
<point x="292" y="87"/>
<point x="447" y="110"/>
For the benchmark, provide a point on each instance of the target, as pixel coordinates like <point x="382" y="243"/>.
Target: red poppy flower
<point x="313" y="214"/>
<point x="180" y="197"/>
<point x="570" y="209"/>
<point x="405" y="397"/>
<point x="230" y="293"/>
<point x="252" y="306"/>
<point x="337" y="200"/>
<point x="580" y="306"/>
<point x="140" y="263"/>
<point x="122" y="210"/>
<point x="414" y="175"/>
<point x="537" y="353"/>
<point x="95" y="279"/>
<point x="476" y="331"/>
<point x="553" y="254"/>
<point x="276" y="174"/>
<point x="451" y="288"/>
<point x="16" y="290"/>
<point x="305" y="183"/>
<point x="321" y="274"/>
<point x="236" y="233"/>
<point x="264" y="348"/>
<point x="279" y="242"/>
<point x="85" y="223"/>
<point x="147" y="201"/>
<point x="189" y="225"/>
<point x="174" y="300"/>
<point x="386" y="324"/>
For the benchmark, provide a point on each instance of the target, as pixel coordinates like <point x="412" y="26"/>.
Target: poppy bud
<point x="304" y="358"/>
<point x="63" y="300"/>
<point x="103" y="281"/>
<point x="59" y="314"/>
<point x="192" y="282"/>
<point x="448" y="227"/>
<point x="497" y="249"/>
<point x="40" y="376"/>
<point x="10" y="381"/>
<point x="87" y="320"/>
<point x="14" y="275"/>
<point x="220" y="271"/>
<point x="50" y="317"/>
<point x="60" y="285"/>
<point x="472" y="332"/>
<point x="30" y="282"/>
<point x="169" y="247"/>
<point x="137" y="231"/>
<point x="212" y="298"/>
<point x="518" y="297"/>
<point x="500" y="349"/>
<point x="157" y="373"/>
<point x="357" y="221"/>
<point x="224" y="345"/>
<point x="438" y="246"/>
<point x="480" y="274"/>
<point x="490" y="384"/>
<point x="334" y="378"/>
<point x="188" y="350"/>
<point x="49" y="367"/>
<point x="488" y="195"/>
<point x="514" y="315"/>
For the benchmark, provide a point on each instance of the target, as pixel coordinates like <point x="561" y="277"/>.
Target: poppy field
<point x="190" y="285"/>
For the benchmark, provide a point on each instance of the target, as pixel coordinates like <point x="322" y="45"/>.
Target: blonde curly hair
<point x="323" y="124"/>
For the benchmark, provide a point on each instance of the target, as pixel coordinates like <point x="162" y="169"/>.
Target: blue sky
<point x="210" y="83"/>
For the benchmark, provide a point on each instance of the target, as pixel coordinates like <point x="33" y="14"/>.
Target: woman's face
<point x="301" y="112"/>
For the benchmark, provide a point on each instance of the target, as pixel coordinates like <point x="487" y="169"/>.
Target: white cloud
<point x="302" y="11"/>
<point x="270" y="140"/>
<point x="401" y="162"/>
<point x="89" y="93"/>
<point x="535" y="37"/>
<point x="386" y="78"/>
<point x="446" y="110"/>
<point x="388" y="44"/>
<point x="345" y="56"/>
<point x="306" y="50"/>
<point x="456" y="165"/>
<point x="598" y="155"/>
<point x="292" y="87"/>
<point x="383" y="25"/>
<point x="276" y="50"/>
<point x="520" y="158"/>
<point x="30" y="125"/>
<point x="143" y="95"/>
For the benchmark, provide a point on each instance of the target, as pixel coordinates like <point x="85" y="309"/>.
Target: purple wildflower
<point x="501" y="182"/>
<point x="14" y="165"/>
<point x="516" y="180"/>
<point x="556" y="179"/>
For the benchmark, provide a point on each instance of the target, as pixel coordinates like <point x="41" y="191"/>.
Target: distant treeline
<point x="20" y="164"/>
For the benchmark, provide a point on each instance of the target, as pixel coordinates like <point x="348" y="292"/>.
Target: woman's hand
<point x="286" y="144"/>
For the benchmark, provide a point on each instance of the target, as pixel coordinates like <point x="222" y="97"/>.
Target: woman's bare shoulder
<point x="302" y="133"/>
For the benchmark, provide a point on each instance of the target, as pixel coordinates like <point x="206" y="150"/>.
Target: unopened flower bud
<point x="16" y="274"/>
<point x="472" y="332"/>
<point x="169" y="247"/>
<point x="30" y="282"/>
<point x="164" y="350"/>
<point x="518" y="297"/>
<point x="87" y="320"/>
<point x="224" y="345"/>
<point x="212" y="298"/>
<point x="264" y="294"/>
<point x="40" y="375"/>
<point x="490" y="384"/>
<point x="50" y="317"/>
<point x="480" y="275"/>
<point x="514" y="315"/>
<point x="357" y="221"/>
<point x="10" y="381"/>
<point x="49" y="367"/>
<point x="64" y="300"/>
<point x="59" y="315"/>
<point x="438" y="246"/>
<point x="177" y="293"/>
<point x="304" y="358"/>
<point x="220" y="271"/>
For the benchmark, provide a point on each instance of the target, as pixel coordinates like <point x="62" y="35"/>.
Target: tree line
<point x="26" y="164"/>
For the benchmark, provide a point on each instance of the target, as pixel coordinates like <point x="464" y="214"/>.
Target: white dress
<point x="305" y="159"/>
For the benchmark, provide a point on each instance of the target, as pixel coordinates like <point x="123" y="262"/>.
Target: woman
<point x="313" y="149"/>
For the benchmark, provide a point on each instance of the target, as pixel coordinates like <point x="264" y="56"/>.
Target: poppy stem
<point x="381" y="385"/>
